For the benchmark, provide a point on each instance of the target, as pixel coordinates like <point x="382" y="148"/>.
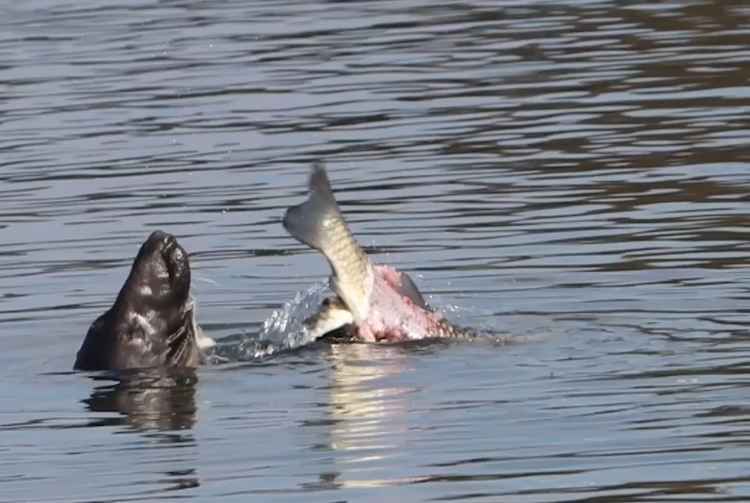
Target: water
<point x="574" y="175"/>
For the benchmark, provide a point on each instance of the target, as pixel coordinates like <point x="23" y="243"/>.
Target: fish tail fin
<point x="319" y="224"/>
<point x="305" y="222"/>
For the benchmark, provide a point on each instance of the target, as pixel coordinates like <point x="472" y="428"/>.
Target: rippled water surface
<point x="573" y="175"/>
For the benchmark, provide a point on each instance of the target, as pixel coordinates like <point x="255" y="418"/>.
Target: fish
<point x="375" y="303"/>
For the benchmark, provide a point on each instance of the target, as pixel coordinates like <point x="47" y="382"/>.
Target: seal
<point x="152" y="322"/>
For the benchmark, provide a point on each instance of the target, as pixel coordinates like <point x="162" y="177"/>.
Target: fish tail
<point x="318" y="223"/>
<point x="306" y="222"/>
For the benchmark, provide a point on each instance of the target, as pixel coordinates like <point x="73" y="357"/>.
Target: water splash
<point x="283" y="330"/>
<point x="287" y="324"/>
<point x="479" y="319"/>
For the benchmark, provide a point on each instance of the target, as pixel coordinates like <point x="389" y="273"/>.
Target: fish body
<point x="379" y="302"/>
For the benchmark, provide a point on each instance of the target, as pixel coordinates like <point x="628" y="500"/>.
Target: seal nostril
<point x="175" y="260"/>
<point x="169" y="240"/>
<point x="169" y="243"/>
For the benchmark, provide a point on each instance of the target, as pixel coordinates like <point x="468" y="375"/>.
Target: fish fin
<point x="409" y="290"/>
<point x="305" y="221"/>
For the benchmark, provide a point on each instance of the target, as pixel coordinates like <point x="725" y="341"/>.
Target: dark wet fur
<point x="116" y="340"/>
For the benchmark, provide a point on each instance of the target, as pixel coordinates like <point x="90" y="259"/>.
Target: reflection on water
<point x="367" y="416"/>
<point x="573" y="174"/>
<point x="147" y="399"/>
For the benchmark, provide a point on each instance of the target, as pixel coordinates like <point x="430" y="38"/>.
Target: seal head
<point x="152" y="322"/>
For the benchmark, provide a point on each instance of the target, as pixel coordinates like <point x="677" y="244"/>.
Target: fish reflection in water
<point x="149" y="399"/>
<point x="368" y="418"/>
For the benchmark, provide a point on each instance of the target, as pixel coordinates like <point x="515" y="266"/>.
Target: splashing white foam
<point x="287" y="324"/>
<point x="284" y="329"/>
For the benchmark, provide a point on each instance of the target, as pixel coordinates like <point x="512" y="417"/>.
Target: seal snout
<point x="178" y="266"/>
<point x="163" y="266"/>
<point x="168" y="243"/>
<point x="174" y="255"/>
<point x="165" y="245"/>
<point x="161" y="241"/>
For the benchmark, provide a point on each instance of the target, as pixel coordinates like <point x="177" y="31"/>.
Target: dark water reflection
<point x="147" y="399"/>
<point x="573" y="174"/>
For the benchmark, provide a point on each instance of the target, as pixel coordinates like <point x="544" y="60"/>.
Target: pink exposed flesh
<point x="394" y="317"/>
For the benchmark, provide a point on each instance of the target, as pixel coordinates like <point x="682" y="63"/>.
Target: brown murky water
<point x="575" y="175"/>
